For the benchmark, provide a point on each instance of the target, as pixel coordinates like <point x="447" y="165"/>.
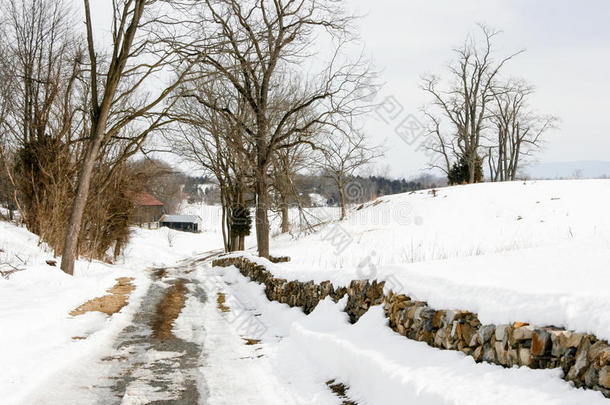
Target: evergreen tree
<point x="460" y="173"/>
<point x="241" y="221"/>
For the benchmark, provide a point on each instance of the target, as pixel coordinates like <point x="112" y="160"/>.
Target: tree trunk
<point x="262" y="221"/>
<point x="118" y="247"/>
<point x="472" y="167"/>
<point x="223" y="224"/>
<point x="80" y="201"/>
<point x="341" y="199"/>
<point x="285" y="221"/>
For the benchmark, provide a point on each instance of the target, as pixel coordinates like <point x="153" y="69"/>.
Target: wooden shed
<point x="187" y="223"/>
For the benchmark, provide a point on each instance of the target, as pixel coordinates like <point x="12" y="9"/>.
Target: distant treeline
<point x="309" y="187"/>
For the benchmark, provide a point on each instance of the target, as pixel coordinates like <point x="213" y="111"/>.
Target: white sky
<point x="567" y="59"/>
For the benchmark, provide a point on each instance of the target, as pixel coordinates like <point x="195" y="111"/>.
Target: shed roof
<point x="180" y="218"/>
<point x="148" y="200"/>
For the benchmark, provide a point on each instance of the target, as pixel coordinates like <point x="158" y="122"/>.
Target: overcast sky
<point x="567" y="58"/>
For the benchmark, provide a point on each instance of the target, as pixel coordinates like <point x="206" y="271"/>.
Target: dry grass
<point x="111" y="303"/>
<point x="160" y="273"/>
<point x="251" y="342"/>
<point x="168" y="310"/>
<point x="220" y="300"/>
<point x="340" y="390"/>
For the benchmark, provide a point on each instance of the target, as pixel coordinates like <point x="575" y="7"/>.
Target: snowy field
<point x="534" y="252"/>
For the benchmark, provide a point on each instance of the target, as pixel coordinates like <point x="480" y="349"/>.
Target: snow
<point x="533" y="252"/>
<point x="379" y="366"/>
<point x="36" y="339"/>
<point x="317" y="200"/>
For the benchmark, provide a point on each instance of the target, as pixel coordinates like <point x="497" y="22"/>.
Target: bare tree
<point x="519" y="130"/>
<point x="39" y="45"/>
<point x="214" y="142"/>
<point x="257" y="47"/>
<point x="286" y="163"/>
<point x="143" y="48"/>
<point x="8" y="188"/>
<point x="465" y="102"/>
<point x="342" y="157"/>
<point x="40" y="60"/>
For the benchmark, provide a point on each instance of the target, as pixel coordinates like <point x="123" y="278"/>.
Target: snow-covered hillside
<point x="535" y="252"/>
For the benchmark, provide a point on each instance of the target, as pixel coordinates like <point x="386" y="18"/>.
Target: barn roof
<point x="180" y="218"/>
<point x="147" y="200"/>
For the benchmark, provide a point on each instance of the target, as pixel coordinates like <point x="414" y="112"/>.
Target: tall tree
<point x="343" y="155"/>
<point x="144" y="38"/>
<point x="257" y="47"/>
<point x="465" y="102"/>
<point x="519" y="130"/>
<point x="41" y="63"/>
<point x="214" y="143"/>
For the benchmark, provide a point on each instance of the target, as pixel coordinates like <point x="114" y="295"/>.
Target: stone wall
<point x="584" y="359"/>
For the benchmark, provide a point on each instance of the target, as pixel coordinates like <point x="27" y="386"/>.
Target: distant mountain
<point x="586" y="169"/>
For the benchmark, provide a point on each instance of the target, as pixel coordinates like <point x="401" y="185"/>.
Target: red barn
<point x="148" y="209"/>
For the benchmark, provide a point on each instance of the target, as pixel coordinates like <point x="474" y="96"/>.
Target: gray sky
<point x="567" y="58"/>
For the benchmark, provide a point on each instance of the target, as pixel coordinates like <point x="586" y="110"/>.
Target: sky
<point x="567" y="59"/>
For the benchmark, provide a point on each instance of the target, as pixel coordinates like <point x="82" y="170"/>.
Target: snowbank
<point x="380" y="366"/>
<point x="533" y="252"/>
<point x="38" y="337"/>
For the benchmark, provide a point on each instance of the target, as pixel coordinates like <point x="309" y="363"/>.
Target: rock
<point x="541" y="342"/>
<point x="466" y="350"/>
<point x="449" y="317"/>
<point x="411" y="311"/>
<point x="557" y="350"/>
<point x="591" y="376"/>
<point x="418" y="312"/>
<point x="465" y="332"/>
<point x="525" y="357"/>
<point x="439" y="338"/>
<point x="567" y="360"/>
<point x="478" y="354"/>
<point x="427" y="316"/>
<point x="570" y="339"/>
<point x="489" y="354"/>
<point x="581" y="363"/>
<point x="453" y="333"/>
<point x="513" y="357"/>
<point x="501" y="353"/>
<point x="502" y="332"/>
<point x="599" y="352"/>
<point x="485" y="333"/>
<point x="437" y="320"/>
<point x="604" y="377"/>
<point x="522" y="333"/>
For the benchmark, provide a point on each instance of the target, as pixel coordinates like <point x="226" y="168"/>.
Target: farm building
<point x="188" y="223"/>
<point x="148" y="209"/>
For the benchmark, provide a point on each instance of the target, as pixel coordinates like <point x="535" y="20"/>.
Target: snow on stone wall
<point x="584" y="359"/>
